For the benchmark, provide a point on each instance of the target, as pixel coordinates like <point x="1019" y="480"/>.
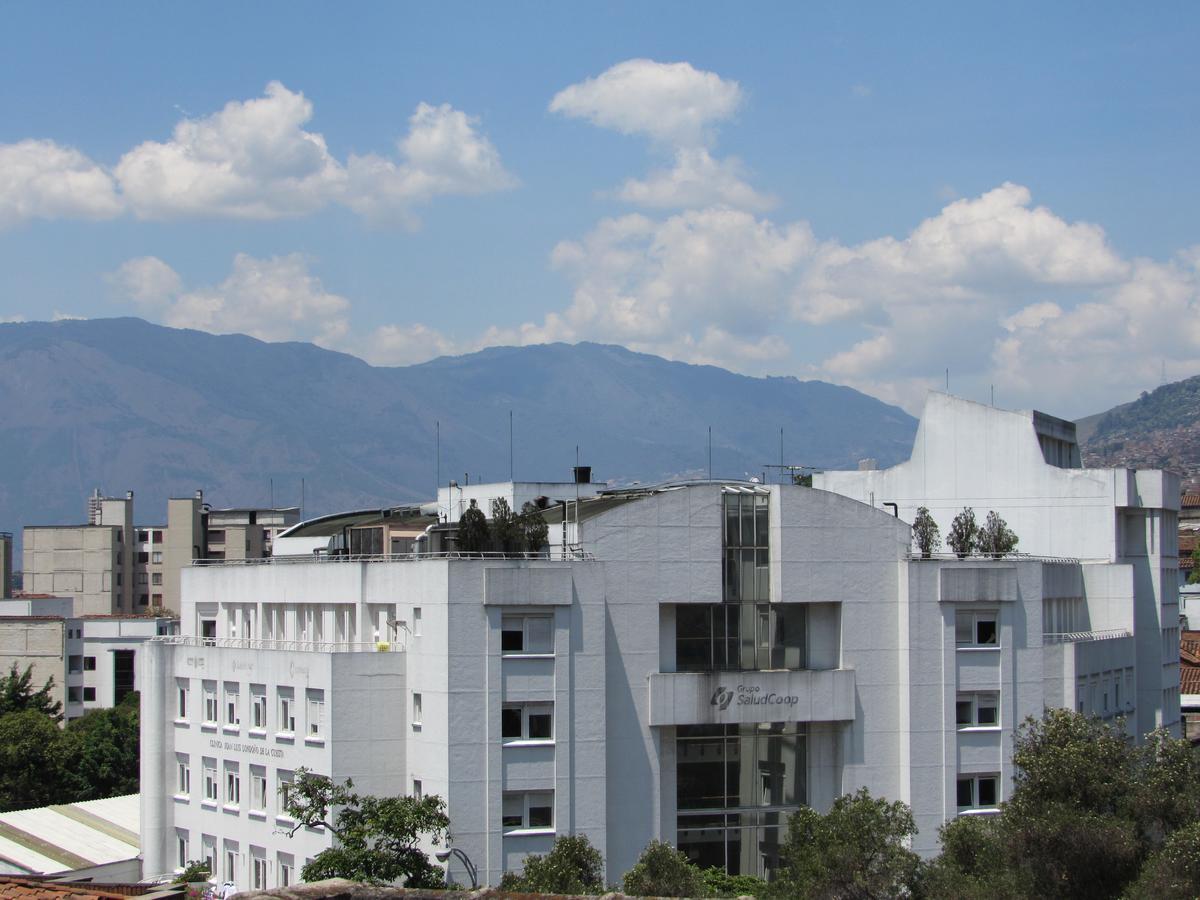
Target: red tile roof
<point x="33" y="889"/>
<point x="1189" y="680"/>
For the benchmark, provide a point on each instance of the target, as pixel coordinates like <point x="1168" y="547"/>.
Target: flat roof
<point x="325" y="526"/>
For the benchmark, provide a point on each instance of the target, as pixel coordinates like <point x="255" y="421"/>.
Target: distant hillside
<point x="1161" y="429"/>
<point x="122" y="404"/>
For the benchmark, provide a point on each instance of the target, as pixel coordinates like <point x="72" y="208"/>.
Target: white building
<point x="689" y="663"/>
<point x="1026" y="467"/>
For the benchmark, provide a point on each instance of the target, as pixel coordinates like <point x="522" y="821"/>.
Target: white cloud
<point x="443" y="154"/>
<point x="402" y="345"/>
<point x="696" y="180"/>
<point x="44" y="180"/>
<point x="147" y="281"/>
<point x="669" y="102"/>
<point x="254" y="159"/>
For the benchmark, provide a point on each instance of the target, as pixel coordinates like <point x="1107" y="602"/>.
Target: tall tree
<point x="378" y="838"/>
<point x="102" y="747"/>
<point x="473" y="534"/>
<point x="925" y="533"/>
<point x="573" y="866"/>
<point x="32" y="761"/>
<point x="17" y="694"/>
<point x="963" y="533"/>
<point x="533" y="527"/>
<point x="996" y="538"/>
<point x="506" y="529"/>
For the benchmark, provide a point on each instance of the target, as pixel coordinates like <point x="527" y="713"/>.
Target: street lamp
<point x="444" y="855"/>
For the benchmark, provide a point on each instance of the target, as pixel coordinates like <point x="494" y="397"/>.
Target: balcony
<point x="712" y="698"/>
<point x="187" y="640"/>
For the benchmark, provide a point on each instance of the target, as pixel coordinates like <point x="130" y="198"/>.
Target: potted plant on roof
<point x="925" y="533"/>
<point x="963" y="533"/>
<point x="995" y="538"/>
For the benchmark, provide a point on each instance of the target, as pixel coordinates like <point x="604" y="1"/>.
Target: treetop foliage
<point x="573" y="866"/>
<point x="17" y="694"/>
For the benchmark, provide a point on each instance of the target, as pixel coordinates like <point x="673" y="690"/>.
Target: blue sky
<point x="867" y="194"/>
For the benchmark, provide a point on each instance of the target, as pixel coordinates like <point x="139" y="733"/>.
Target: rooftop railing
<point x="191" y="640"/>
<point x="554" y="554"/>
<point x="1070" y="637"/>
<point x="988" y="557"/>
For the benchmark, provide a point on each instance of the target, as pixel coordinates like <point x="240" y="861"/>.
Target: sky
<point x="895" y="197"/>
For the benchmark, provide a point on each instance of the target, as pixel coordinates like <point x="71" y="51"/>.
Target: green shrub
<point x="662" y="871"/>
<point x="573" y="866"/>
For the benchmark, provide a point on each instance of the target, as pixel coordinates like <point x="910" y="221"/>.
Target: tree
<point x="102" y="748"/>
<point x="858" y="849"/>
<point x="719" y="883"/>
<point x="925" y="533"/>
<point x="195" y="870"/>
<point x="506" y="528"/>
<point x="17" y="694"/>
<point x="473" y="534"/>
<point x="662" y="871"/>
<point x="1194" y="575"/>
<point x="573" y="866"/>
<point x="533" y="527"/>
<point x="32" y="761"/>
<point x="996" y="538"/>
<point x="377" y="837"/>
<point x="963" y="533"/>
<point x="1174" y="872"/>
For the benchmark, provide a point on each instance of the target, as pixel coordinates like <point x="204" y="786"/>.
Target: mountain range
<point x="122" y="404"/>
<point x="1160" y="429"/>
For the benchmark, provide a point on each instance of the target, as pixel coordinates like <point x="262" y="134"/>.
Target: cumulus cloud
<point x="669" y="102"/>
<point x="44" y="180"/>
<point x="253" y="159"/>
<point x="147" y="281"/>
<point x="696" y="180"/>
<point x="444" y="153"/>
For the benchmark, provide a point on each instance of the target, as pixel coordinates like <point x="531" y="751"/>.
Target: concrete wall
<point x="79" y="561"/>
<point x="40" y="643"/>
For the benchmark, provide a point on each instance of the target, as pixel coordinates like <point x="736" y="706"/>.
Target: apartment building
<point x="92" y="659"/>
<point x="112" y="566"/>
<point x="690" y="662"/>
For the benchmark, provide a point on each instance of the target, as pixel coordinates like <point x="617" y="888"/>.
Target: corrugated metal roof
<point x="72" y="836"/>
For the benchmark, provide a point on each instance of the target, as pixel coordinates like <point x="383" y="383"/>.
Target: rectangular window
<point x="142" y="578"/>
<point x="258" y="789"/>
<point x="416" y="621"/>
<point x="316" y="713"/>
<point x="258" y="707"/>
<point x="416" y="791"/>
<point x="75" y="664"/>
<point x="181" y="699"/>
<point x="209" y="852"/>
<point x="89" y="694"/>
<point x="156" y="578"/>
<point x="74" y="695"/>
<point x="746" y="542"/>
<point x="978" y="792"/>
<point x="285" y="781"/>
<point x="976" y="628"/>
<point x="89" y="664"/>
<point x="231" y="862"/>
<point x="231" y="706"/>
<point x="979" y="710"/>
<point x="526" y="634"/>
<point x="156" y="557"/>
<point x="210" y="780"/>
<point x="286" y="864"/>
<point x="724" y="637"/>
<point x="527" y="722"/>
<point x="416" y="710"/>
<point x="183" y="778"/>
<point x="210" y="703"/>
<point x="530" y="809"/>
<point x="233" y="785"/>
<point x="143" y="558"/>
<point x="181" y="844"/>
<point x="258" y="872"/>
<point x="287" y="711"/>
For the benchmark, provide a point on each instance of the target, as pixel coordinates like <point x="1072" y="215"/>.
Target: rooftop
<point x="71" y="836"/>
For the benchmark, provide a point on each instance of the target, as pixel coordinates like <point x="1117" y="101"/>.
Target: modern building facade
<point x="691" y="663"/>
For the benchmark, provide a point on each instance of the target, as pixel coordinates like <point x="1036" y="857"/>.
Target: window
<point x="258" y="788"/>
<point x="209" y="854"/>
<point x="978" y="792"/>
<point x="316" y="713"/>
<point x="156" y="599"/>
<point x="233" y="785"/>
<point x="526" y="634"/>
<point x="527" y="721"/>
<point x="156" y="578"/>
<point x="976" y="628"/>
<point x="258" y="872"/>
<point x="231" y="706"/>
<point x="977" y="710"/>
<point x="143" y="599"/>
<point x="74" y="664"/>
<point x="285" y="781"/>
<point x="416" y="621"/>
<point x="181" y="843"/>
<point x="143" y="536"/>
<point x="747" y="553"/>
<point x="156" y="557"/>
<point x="142" y="577"/>
<point x="89" y="694"/>
<point x="231" y="861"/>
<point x="74" y="695"/>
<point x="89" y="664"/>
<point x="210" y="703"/>
<point x="120" y="578"/>
<point x="723" y="637"/>
<point x="210" y="780"/>
<point x="181" y="699"/>
<point x="216" y="535"/>
<point x="258" y="707"/>
<point x="531" y="809"/>
<point x="183" y="780"/>
<point x="286" y="864"/>
<point x="143" y="557"/>
<point x="287" y="712"/>
<point x="416" y="791"/>
<point x="416" y="710"/>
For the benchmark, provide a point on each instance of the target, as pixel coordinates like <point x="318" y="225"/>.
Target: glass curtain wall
<point x="736" y="786"/>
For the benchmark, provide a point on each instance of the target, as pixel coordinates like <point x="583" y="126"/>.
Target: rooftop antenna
<point x="993" y="395"/>
<point x="272" y="493"/>
<point x="947" y="381"/>
<point x="780" y="457"/>
<point x="437" y="437"/>
<point x="301" y="498"/>
<point x="710" y="453"/>
<point x="510" y="446"/>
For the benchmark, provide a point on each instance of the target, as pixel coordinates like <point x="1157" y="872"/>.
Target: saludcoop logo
<point x="721" y="698"/>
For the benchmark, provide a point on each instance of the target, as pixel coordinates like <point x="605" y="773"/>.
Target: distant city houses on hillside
<point x="689" y="662"/>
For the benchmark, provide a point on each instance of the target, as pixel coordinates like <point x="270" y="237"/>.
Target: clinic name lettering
<point x="749" y="695"/>
<point x="248" y="749"/>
